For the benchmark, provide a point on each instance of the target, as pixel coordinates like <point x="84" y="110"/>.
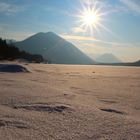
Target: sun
<point x="90" y="17"/>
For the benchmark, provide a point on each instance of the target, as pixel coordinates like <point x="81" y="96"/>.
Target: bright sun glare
<point x="90" y="17"/>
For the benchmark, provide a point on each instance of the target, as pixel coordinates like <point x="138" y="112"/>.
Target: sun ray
<point x="91" y="17"/>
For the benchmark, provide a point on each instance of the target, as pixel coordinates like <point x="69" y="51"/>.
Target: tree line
<point x="10" y="52"/>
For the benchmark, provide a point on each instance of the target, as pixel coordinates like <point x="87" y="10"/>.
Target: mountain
<point x="93" y="55"/>
<point x="54" y="48"/>
<point x="135" y="64"/>
<point x="107" y="58"/>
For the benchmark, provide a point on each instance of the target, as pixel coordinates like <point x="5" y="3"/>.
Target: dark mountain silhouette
<point x="107" y="58"/>
<point x="54" y="48"/>
<point x="10" y="52"/>
<point x="136" y="64"/>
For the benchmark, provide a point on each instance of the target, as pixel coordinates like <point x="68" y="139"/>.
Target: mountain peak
<point x="108" y="58"/>
<point x="39" y="34"/>
<point x="51" y="33"/>
<point x="54" y="48"/>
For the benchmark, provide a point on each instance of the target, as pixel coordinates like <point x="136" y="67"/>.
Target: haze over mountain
<point x="10" y="41"/>
<point x="54" y="48"/>
<point x="107" y="58"/>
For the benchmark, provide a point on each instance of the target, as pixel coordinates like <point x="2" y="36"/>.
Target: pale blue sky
<point x="22" y="18"/>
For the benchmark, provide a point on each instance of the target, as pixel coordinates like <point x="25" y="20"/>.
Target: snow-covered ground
<point x="70" y="102"/>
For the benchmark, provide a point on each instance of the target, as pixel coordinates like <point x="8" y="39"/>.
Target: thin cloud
<point x="80" y="38"/>
<point x="133" y="5"/>
<point x="8" y="9"/>
<point x="92" y="39"/>
<point x="78" y="30"/>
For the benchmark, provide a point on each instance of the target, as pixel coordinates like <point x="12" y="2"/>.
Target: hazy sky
<point x="118" y="31"/>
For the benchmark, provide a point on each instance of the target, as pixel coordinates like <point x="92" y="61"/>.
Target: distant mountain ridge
<point x="107" y="58"/>
<point x="136" y="64"/>
<point x="54" y="48"/>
